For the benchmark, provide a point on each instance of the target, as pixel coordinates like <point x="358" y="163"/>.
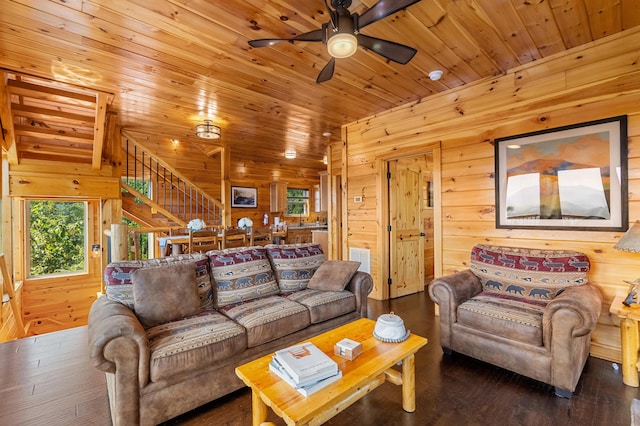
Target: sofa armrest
<point x="455" y="288"/>
<point x="449" y="292"/>
<point x="361" y="285"/>
<point x="117" y="341"/>
<point x="583" y="301"/>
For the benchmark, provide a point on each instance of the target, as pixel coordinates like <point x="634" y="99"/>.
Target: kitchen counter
<point x="308" y="226"/>
<point x="297" y="234"/>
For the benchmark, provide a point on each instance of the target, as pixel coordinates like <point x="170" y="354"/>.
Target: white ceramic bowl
<point x="390" y="328"/>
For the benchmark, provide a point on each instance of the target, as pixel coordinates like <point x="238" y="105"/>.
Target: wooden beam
<point x="99" y="130"/>
<point x="39" y="113"/>
<point x="43" y="132"/>
<point x="225" y="185"/>
<point x="6" y="122"/>
<point x="37" y="91"/>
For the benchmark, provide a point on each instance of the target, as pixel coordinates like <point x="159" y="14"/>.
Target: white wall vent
<point x="363" y="256"/>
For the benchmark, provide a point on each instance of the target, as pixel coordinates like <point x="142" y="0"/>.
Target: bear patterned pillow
<point x="165" y="293"/>
<point x="333" y="275"/>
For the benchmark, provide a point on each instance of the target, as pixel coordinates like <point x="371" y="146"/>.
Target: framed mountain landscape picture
<point x="572" y="177"/>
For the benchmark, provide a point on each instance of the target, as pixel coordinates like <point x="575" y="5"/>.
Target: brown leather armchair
<point x="526" y="310"/>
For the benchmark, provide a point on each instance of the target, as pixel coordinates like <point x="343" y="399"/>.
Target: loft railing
<point x="167" y="191"/>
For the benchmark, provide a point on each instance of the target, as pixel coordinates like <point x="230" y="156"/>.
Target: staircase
<point x="154" y="195"/>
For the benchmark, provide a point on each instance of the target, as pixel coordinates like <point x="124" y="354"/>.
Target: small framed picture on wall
<point x="242" y="196"/>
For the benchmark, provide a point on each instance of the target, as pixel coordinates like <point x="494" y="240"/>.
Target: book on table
<point x="308" y="388"/>
<point x="306" y="362"/>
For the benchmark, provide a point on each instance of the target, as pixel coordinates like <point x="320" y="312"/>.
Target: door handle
<point x="422" y="234"/>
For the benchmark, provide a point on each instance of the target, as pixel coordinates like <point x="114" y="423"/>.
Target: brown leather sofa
<point x="526" y="310"/>
<point x="166" y="352"/>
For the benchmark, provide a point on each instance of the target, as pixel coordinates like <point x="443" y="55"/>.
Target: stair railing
<point x="167" y="189"/>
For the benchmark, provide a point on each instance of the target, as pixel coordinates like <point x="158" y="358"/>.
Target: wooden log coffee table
<point x="359" y="377"/>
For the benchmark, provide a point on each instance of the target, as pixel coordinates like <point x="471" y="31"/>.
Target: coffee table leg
<point x="258" y="409"/>
<point x="409" y="384"/>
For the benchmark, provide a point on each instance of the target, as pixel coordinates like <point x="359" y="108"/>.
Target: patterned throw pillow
<point x="295" y="264"/>
<point x="533" y="274"/>
<point x="118" y="285"/>
<point x="241" y="274"/>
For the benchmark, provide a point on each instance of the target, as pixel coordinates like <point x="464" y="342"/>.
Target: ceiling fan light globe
<point x="342" y="45"/>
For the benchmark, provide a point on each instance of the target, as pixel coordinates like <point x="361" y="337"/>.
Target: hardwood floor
<point x="47" y="380"/>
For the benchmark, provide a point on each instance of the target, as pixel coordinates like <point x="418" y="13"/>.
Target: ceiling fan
<point x="342" y="34"/>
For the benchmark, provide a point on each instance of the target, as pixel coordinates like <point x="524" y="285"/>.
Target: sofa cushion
<point x="241" y="274"/>
<point x="188" y="345"/>
<point x="268" y="318"/>
<point x="295" y="264"/>
<point x="117" y="277"/>
<point x="333" y="275"/>
<point x="509" y="317"/>
<point x="165" y="293"/>
<point x="324" y="305"/>
<point x="528" y="273"/>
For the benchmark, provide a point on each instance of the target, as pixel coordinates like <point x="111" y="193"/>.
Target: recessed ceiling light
<point x="327" y="134"/>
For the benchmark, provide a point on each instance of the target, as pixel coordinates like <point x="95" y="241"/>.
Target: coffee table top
<point x="376" y="358"/>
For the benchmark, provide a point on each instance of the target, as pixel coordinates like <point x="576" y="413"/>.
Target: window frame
<point x="92" y="267"/>
<point x="305" y="204"/>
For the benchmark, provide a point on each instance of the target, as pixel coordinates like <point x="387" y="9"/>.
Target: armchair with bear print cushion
<point x="529" y="311"/>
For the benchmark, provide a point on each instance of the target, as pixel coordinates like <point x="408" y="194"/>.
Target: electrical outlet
<point x="357" y="199"/>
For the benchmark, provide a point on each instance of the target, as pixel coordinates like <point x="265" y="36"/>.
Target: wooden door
<point x="406" y="260"/>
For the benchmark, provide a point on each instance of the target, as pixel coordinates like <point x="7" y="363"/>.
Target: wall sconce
<point x="96" y="251"/>
<point x="325" y="160"/>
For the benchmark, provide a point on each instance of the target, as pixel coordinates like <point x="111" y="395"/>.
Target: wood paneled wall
<point x="260" y="176"/>
<point x="592" y="82"/>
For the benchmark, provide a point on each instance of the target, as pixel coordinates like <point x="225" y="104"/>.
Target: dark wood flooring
<point x="47" y="380"/>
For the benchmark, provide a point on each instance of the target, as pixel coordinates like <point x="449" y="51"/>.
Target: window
<point x="297" y="202"/>
<point x="57" y="237"/>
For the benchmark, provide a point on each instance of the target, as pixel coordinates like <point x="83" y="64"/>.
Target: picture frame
<point x="566" y="178"/>
<point x="244" y="197"/>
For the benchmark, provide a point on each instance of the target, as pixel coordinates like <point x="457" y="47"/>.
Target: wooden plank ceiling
<point x="163" y="66"/>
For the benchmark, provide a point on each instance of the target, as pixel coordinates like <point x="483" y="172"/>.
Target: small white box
<point x="347" y="348"/>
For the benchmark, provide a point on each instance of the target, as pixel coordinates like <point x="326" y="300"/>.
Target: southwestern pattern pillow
<point x="528" y="274"/>
<point x="118" y="286"/>
<point x="241" y="274"/>
<point x="295" y="264"/>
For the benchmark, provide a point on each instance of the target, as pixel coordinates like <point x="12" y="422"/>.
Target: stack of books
<point x="305" y="367"/>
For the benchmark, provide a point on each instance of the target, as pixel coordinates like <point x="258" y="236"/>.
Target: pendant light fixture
<point x="207" y="130"/>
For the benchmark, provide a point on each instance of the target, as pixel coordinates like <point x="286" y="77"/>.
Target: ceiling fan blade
<point x="315" y="35"/>
<point x="382" y="9"/>
<point x="327" y="71"/>
<point x="389" y="49"/>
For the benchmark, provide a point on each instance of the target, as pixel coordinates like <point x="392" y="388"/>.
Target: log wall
<point x="596" y="81"/>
